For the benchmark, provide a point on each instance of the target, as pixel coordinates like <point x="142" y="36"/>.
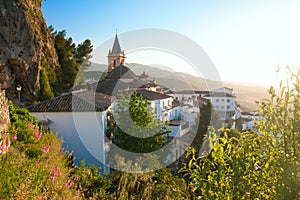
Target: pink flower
<point x="39" y="196"/>
<point x="38" y="135"/>
<point x="15" y="137"/>
<point x="31" y="125"/>
<point x="4" y="147"/>
<point x="69" y="183"/>
<point x="46" y="149"/>
<point x="55" y="171"/>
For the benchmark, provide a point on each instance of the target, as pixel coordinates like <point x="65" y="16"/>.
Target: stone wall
<point x="4" y="113"/>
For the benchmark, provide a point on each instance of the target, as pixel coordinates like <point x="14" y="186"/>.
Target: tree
<point x="83" y="55"/>
<point x="45" y="91"/>
<point x="139" y="131"/>
<point x="203" y="123"/>
<point x="71" y="58"/>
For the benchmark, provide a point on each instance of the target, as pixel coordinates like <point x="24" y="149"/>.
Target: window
<point x="217" y="100"/>
<point x="222" y="100"/>
<point x="228" y="107"/>
<point x="222" y="107"/>
<point x="217" y="107"/>
<point x="156" y="107"/>
<point x="228" y="100"/>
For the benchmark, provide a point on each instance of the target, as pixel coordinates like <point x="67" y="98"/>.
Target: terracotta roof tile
<point x="79" y="101"/>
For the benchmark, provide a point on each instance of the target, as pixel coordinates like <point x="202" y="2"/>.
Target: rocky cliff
<point x="25" y="40"/>
<point x="4" y="114"/>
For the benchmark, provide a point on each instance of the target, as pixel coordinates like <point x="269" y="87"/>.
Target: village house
<point x="80" y="119"/>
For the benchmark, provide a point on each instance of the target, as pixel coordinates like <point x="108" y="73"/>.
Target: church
<point x="121" y="77"/>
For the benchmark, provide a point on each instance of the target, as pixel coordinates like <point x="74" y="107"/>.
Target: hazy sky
<point x="246" y="40"/>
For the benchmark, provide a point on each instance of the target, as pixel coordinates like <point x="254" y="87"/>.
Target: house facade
<point x="79" y="118"/>
<point x="223" y="103"/>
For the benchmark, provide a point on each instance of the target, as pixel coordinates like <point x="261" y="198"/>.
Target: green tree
<point x="137" y="130"/>
<point x="45" y="91"/>
<point x="71" y="58"/>
<point x="83" y="55"/>
<point x="65" y="49"/>
<point x="203" y="124"/>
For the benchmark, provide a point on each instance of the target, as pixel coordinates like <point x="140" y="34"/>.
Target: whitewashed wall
<point x="82" y="132"/>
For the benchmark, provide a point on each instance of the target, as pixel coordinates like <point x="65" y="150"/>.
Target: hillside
<point x="246" y="94"/>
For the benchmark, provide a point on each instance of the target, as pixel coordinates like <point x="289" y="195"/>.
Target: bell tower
<point x="115" y="56"/>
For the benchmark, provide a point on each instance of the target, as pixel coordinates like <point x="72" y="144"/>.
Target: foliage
<point x="34" y="166"/>
<point x="90" y="182"/>
<point x="45" y="91"/>
<point x="282" y="121"/>
<point x="83" y="55"/>
<point x="20" y="115"/>
<point x="137" y="129"/>
<point x="161" y="184"/>
<point x="259" y="164"/>
<point x="72" y="59"/>
<point x="203" y="124"/>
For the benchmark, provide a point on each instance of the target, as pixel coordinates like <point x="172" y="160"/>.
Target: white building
<point x="226" y="90"/>
<point x="224" y="103"/>
<point x="80" y="119"/>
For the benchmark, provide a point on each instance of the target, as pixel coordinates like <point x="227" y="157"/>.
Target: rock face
<point x="24" y="41"/>
<point x="4" y="114"/>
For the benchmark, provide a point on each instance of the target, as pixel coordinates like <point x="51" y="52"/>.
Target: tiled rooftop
<point x="79" y="101"/>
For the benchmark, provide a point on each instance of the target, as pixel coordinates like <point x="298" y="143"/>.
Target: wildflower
<point x="39" y="196"/>
<point x="4" y="146"/>
<point x="46" y="149"/>
<point x="38" y="135"/>
<point x="3" y="149"/>
<point x="55" y="171"/>
<point x="69" y="183"/>
<point x="15" y="137"/>
<point x="31" y="125"/>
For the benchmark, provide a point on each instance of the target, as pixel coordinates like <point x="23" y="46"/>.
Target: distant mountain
<point x="97" y="67"/>
<point x="246" y="94"/>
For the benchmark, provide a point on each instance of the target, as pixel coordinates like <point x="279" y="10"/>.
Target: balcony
<point x="178" y="127"/>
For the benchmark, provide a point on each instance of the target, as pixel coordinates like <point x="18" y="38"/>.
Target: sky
<point x="246" y="40"/>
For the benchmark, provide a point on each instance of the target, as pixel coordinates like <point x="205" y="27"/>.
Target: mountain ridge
<point x="246" y="95"/>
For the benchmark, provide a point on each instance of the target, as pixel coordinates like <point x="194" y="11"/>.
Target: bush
<point x="260" y="164"/>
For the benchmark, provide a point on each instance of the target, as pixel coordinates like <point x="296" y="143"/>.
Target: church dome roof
<point x="121" y="71"/>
